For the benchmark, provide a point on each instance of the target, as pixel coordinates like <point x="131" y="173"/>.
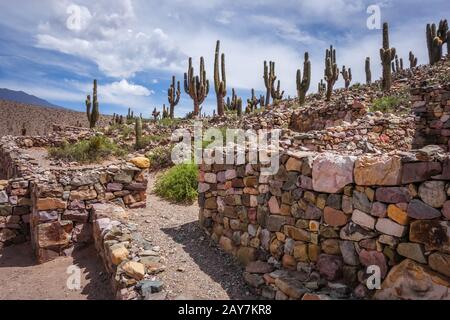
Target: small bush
<point x="169" y="122"/>
<point x="179" y="183"/>
<point x="87" y="151"/>
<point x="160" y="157"/>
<point x="389" y="104"/>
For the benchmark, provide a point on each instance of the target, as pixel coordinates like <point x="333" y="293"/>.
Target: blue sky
<point x="133" y="47"/>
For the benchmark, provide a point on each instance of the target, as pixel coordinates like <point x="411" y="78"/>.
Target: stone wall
<point x="311" y="230"/>
<point x="432" y="105"/>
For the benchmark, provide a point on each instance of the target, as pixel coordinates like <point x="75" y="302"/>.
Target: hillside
<point x="38" y="119"/>
<point x="23" y="97"/>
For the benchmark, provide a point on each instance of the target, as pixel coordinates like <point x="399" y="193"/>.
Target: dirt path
<point x="195" y="268"/>
<point x="22" y="279"/>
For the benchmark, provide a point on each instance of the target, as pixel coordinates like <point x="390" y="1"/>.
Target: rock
<point x="301" y="252"/>
<point x="82" y="233"/>
<point x="274" y="207"/>
<point x="245" y="255"/>
<point x="412" y="281"/>
<point x="3" y="197"/>
<point x="274" y="222"/>
<point x="108" y="210"/>
<point x="389" y="227"/>
<point x="420" y="171"/>
<point x="118" y="253"/>
<point x="312" y="213"/>
<point x="210" y="177"/>
<point x="6" y="235"/>
<point x="76" y="215"/>
<point x="227" y="244"/>
<point x="334" y="201"/>
<point x="361" y="202"/>
<point x="296" y="233"/>
<point x="54" y="235"/>
<point x="363" y="219"/>
<point x="290" y="286"/>
<point x="378" y="210"/>
<point x="354" y="232"/>
<point x="419" y="210"/>
<point x="294" y="164"/>
<point x="135" y="270"/>
<point x="124" y="177"/>
<point x="334" y="218"/>
<point x="260" y="267"/>
<point x="381" y="170"/>
<point x="330" y="267"/>
<point x="141" y="162"/>
<point x="432" y="233"/>
<point x="446" y="209"/>
<point x="113" y="187"/>
<point x="253" y="279"/>
<point x="433" y="193"/>
<point x="398" y="215"/>
<point x="440" y="262"/>
<point x="370" y="258"/>
<point x="45" y="204"/>
<point x="149" y="287"/>
<point x="348" y="252"/>
<point x="331" y="246"/>
<point x="393" y="195"/>
<point x="331" y="173"/>
<point x="413" y="251"/>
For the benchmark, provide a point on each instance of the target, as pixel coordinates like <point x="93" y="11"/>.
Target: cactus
<point x="321" y="87"/>
<point x="269" y="80"/>
<point x="397" y="64"/>
<point x="253" y="102"/>
<point x="262" y="100"/>
<point x="331" y="71"/>
<point x="239" y="107"/>
<point x="436" y="37"/>
<point x="401" y="63"/>
<point x="347" y="75"/>
<point x="220" y="86"/>
<point x="412" y="60"/>
<point x="165" y="113"/>
<point x="155" y="114"/>
<point x="448" y="43"/>
<point x="387" y="55"/>
<point x="93" y="115"/>
<point x="138" y="132"/>
<point x="24" y="129"/>
<point x="173" y="96"/>
<point x="121" y="119"/>
<point x="197" y="87"/>
<point x="277" y="95"/>
<point x="368" y="72"/>
<point x="303" y="84"/>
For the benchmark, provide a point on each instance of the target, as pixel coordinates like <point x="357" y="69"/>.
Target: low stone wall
<point x="326" y="115"/>
<point x="312" y="230"/>
<point x="432" y="105"/>
<point x="128" y="258"/>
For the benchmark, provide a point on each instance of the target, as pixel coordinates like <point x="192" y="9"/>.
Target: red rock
<point x="369" y="258"/>
<point x="420" y="171"/>
<point x="330" y="266"/>
<point x="392" y="194"/>
<point x="334" y="218"/>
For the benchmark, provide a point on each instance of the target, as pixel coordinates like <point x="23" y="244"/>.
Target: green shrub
<point x="388" y="104"/>
<point x="179" y="183"/>
<point x="87" y="151"/>
<point x="169" y="122"/>
<point x="160" y="157"/>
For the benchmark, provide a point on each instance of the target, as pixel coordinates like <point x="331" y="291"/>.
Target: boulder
<point x="433" y="234"/>
<point x="433" y="193"/>
<point x="440" y="262"/>
<point x="330" y="266"/>
<point x="419" y="210"/>
<point x="45" y="204"/>
<point x="419" y="171"/>
<point x="381" y="170"/>
<point x="334" y="218"/>
<point x="331" y="173"/>
<point x="412" y="251"/>
<point x="389" y="227"/>
<point x="135" y="270"/>
<point x="393" y="195"/>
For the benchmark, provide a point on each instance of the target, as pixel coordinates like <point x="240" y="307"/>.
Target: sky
<point x="55" y="48"/>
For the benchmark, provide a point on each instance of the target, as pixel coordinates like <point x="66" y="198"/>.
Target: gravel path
<point x="195" y="267"/>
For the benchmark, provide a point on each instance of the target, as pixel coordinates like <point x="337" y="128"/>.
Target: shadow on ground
<point x="221" y="267"/>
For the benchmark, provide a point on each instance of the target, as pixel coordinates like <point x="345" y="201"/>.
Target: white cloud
<point x="124" y="87"/>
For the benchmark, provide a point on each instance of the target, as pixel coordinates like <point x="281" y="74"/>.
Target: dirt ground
<point x="22" y="279"/>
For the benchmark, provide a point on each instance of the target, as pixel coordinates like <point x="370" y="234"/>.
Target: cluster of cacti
<point x="303" y="83"/>
<point x="331" y="70"/>
<point x="220" y="85"/>
<point x="321" y="87"/>
<point x="234" y="104"/>
<point x="269" y="80"/>
<point x="130" y="114"/>
<point x="197" y="87"/>
<point x="277" y="94"/>
<point x="117" y="119"/>
<point x="93" y="115"/>
<point x="368" y="71"/>
<point x="347" y="75"/>
<point x="397" y="65"/>
<point x="173" y="96"/>
<point x="165" y="112"/>
<point x="436" y="37"/>
<point x="387" y="55"/>
<point x="138" y="132"/>
<point x="155" y="114"/>
<point x="412" y="60"/>
<point x="252" y="103"/>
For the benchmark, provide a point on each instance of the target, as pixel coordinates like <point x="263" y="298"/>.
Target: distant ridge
<point x="25" y="98"/>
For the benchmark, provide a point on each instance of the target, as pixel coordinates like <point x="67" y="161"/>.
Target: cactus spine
<point x="347" y="75"/>
<point x="436" y="37"/>
<point x="331" y="70"/>
<point x="303" y="84"/>
<point x="173" y="96"/>
<point x="368" y="71"/>
<point x="138" y="132"/>
<point x="196" y="86"/>
<point x="220" y="85"/>
<point x="269" y="79"/>
<point x="94" y="114"/>
<point x="412" y="60"/>
<point x="387" y="55"/>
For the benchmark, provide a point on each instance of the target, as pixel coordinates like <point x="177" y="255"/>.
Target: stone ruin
<point x="347" y="197"/>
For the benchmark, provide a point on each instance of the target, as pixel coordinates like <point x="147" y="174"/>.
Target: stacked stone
<point x="432" y="105"/>
<point x="15" y="206"/>
<point x="323" y="219"/>
<point x="61" y="206"/>
<point x="130" y="260"/>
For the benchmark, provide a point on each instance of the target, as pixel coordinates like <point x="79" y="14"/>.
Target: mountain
<point x="25" y="98"/>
